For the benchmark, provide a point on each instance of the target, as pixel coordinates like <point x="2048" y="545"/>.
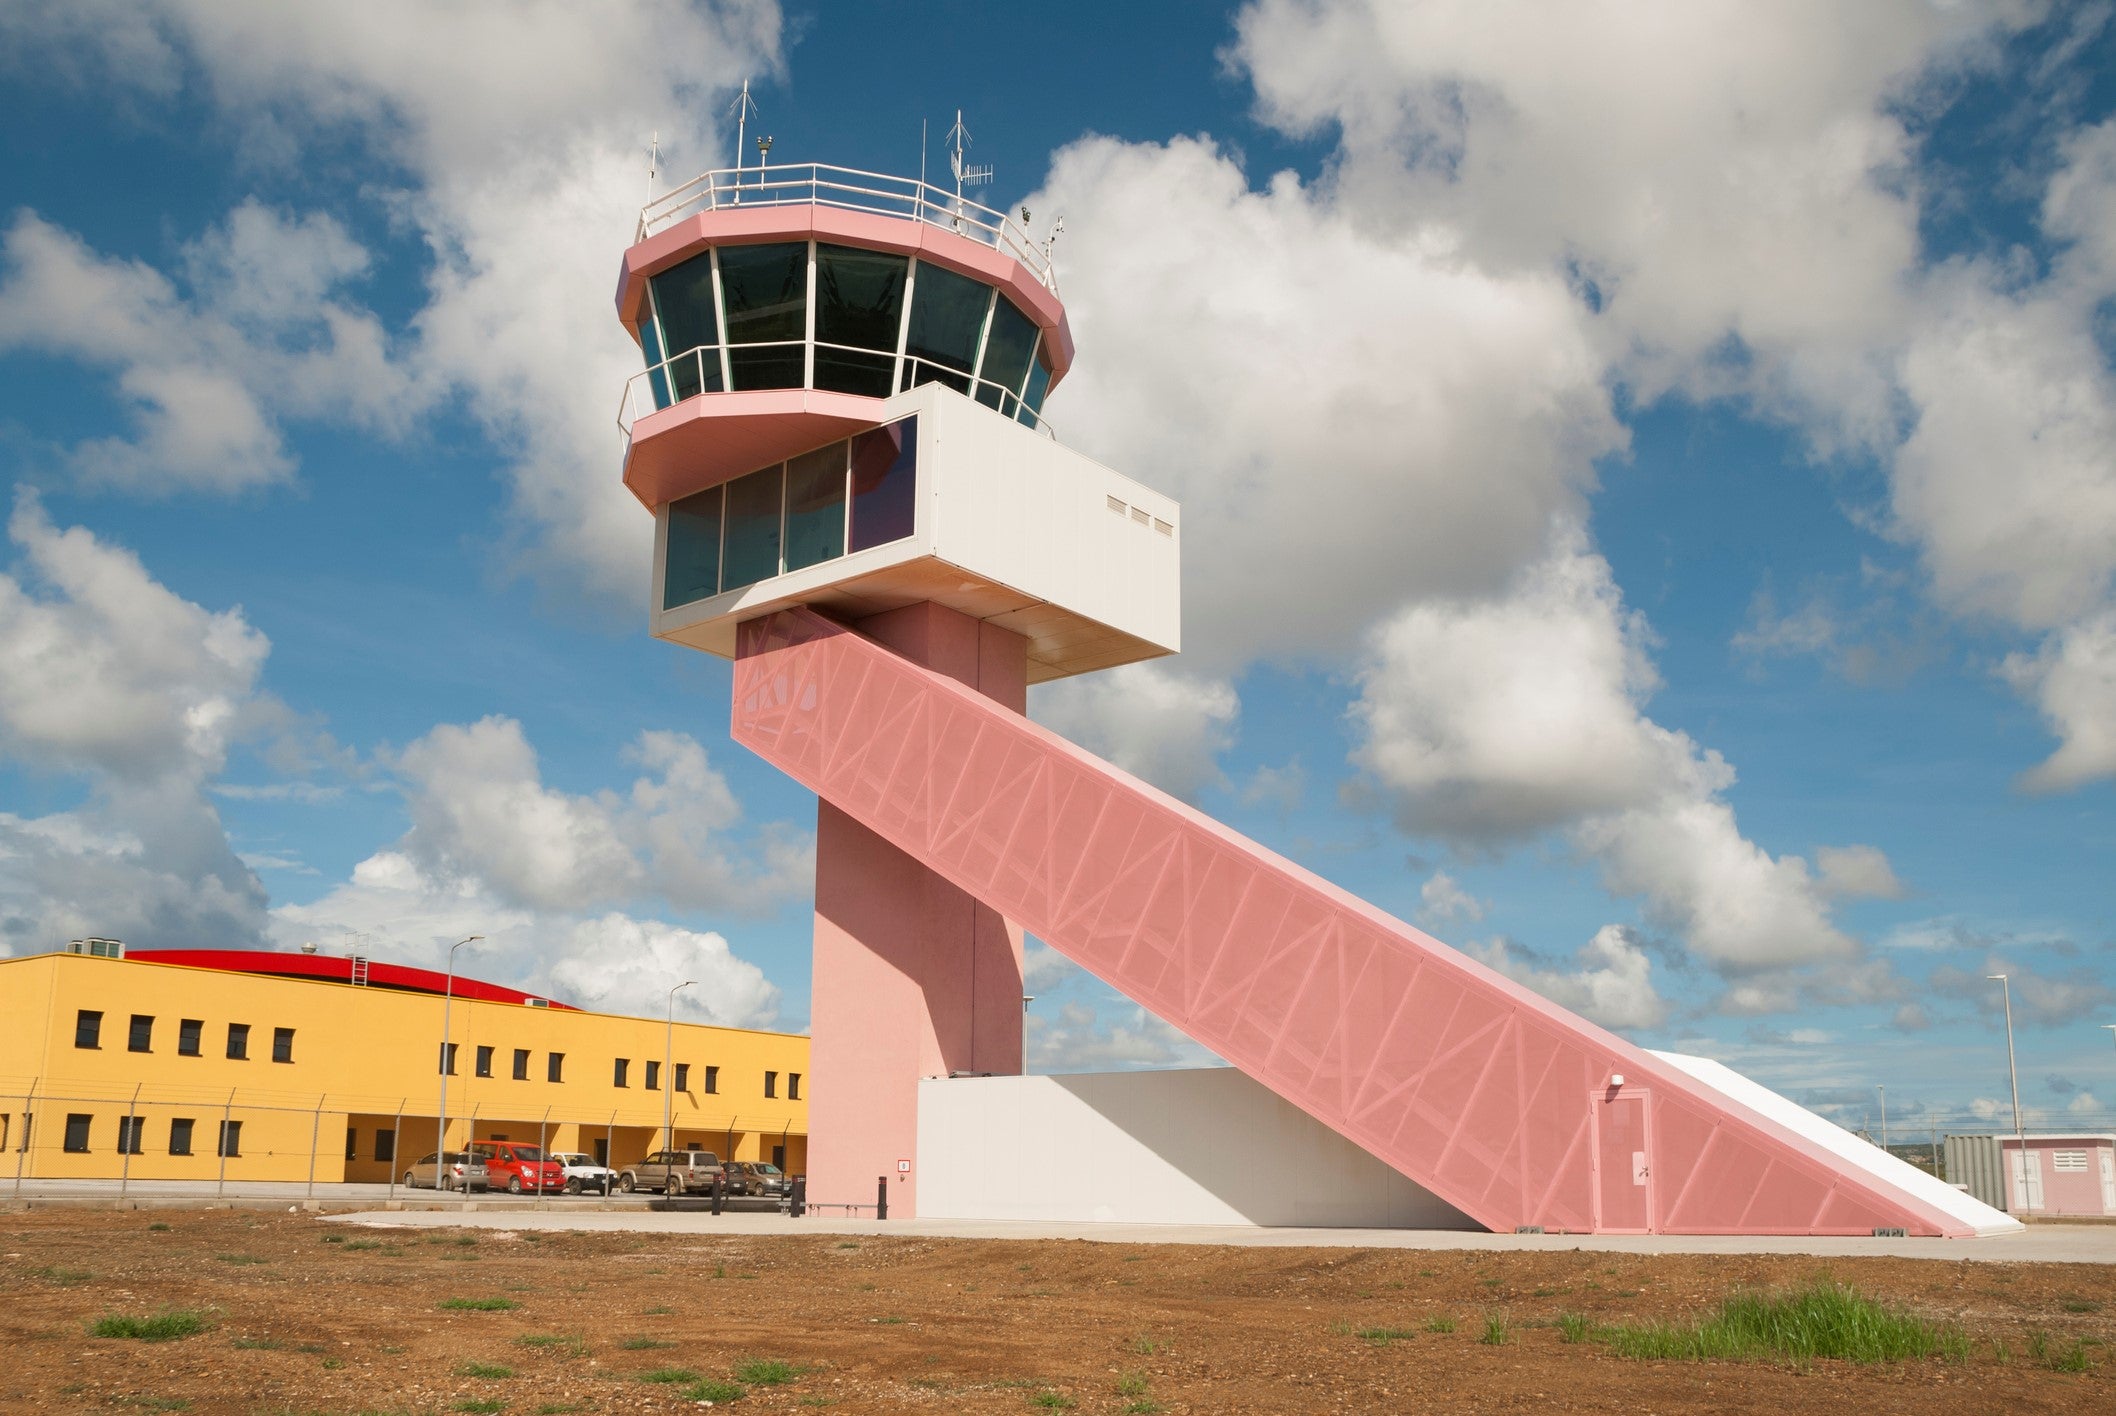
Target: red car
<point x="517" y="1167"/>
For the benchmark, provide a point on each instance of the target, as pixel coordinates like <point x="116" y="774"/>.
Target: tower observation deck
<point x="839" y="430"/>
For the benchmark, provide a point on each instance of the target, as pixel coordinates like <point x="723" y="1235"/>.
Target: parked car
<point x="457" y="1171"/>
<point x="758" y="1177"/>
<point x="582" y="1173"/>
<point x="518" y="1166"/>
<point x="672" y="1173"/>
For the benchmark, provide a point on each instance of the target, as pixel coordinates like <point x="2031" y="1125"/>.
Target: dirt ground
<point x="309" y="1316"/>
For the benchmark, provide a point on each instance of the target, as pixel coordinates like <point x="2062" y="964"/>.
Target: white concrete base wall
<point x="1206" y="1146"/>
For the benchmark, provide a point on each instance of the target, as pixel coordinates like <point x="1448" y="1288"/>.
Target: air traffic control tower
<point x="839" y="432"/>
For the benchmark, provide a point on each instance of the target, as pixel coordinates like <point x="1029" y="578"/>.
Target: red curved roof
<point x="336" y="968"/>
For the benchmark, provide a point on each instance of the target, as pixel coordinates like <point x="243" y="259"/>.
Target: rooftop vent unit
<point x="97" y="948"/>
<point x="537" y="1002"/>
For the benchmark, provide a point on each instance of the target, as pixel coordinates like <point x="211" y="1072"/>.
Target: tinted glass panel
<point x="1039" y="385"/>
<point x="650" y="350"/>
<point x="841" y="371"/>
<point x="815" y="506"/>
<point x="859" y="297"/>
<point x="884" y="477"/>
<point x="1007" y="351"/>
<point x="696" y="372"/>
<point x="752" y="552"/>
<point x="947" y="316"/>
<point x="692" y="569"/>
<point x="767" y="292"/>
<point x="774" y="366"/>
<point x="684" y="297"/>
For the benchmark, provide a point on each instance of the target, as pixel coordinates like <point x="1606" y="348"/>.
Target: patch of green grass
<point x="1495" y="1332"/>
<point x="62" y="1277"/>
<point x="1822" y="1320"/>
<point x="489" y="1371"/>
<point x="642" y="1344"/>
<point x="334" y="1238"/>
<point x="670" y="1376"/>
<point x="484" y="1404"/>
<point x="158" y="1228"/>
<point x="889" y="1321"/>
<point x="1132" y="1384"/>
<point x="363" y="1243"/>
<point x="1144" y="1345"/>
<point x="711" y="1390"/>
<point x="848" y="1244"/>
<point x="255" y="1344"/>
<point x="241" y="1260"/>
<point x="1443" y="1323"/>
<point x="656" y="1312"/>
<point x="2080" y="1305"/>
<point x="1573" y="1327"/>
<point x="766" y="1371"/>
<point x="2072" y="1359"/>
<point x="559" y="1408"/>
<point x="1383" y="1336"/>
<point x="165" y="1326"/>
<point x="572" y="1344"/>
<point x="478" y="1305"/>
<point x="1142" y="1408"/>
<point x="153" y="1403"/>
<point x="1052" y="1401"/>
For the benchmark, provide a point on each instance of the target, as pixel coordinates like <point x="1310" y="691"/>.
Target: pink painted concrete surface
<point x="914" y="977"/>
<point x="748" y="226"/>
<point x="1486" y="1094"/>
<point x="712" y="438"/>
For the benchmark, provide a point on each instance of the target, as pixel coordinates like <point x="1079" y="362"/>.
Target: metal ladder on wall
<point x="359" y="971"/>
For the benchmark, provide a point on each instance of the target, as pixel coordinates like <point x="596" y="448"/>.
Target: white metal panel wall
<point x="1206" y="1146"/>
<point x="1033" y="514"/>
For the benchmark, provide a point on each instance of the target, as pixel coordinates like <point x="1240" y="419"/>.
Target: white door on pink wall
<point x="2027" y="1181"/>
<point x="2108" y="1180"/>
<point x="1624" y="1179"/>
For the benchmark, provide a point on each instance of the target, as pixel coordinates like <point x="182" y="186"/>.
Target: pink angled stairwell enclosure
<point x="1494" y="1099"/>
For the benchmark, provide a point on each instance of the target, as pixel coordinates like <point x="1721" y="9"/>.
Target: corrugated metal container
<point x="1973" y="1161"/>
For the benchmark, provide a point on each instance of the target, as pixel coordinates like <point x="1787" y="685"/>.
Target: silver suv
<point x="672" y="1173"/>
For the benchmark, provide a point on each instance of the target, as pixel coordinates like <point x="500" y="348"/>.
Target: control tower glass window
<point x="815" y="506"/>
<point x="753" y="526"/>
<point x="947" y="323"/>
<point x="1007" y="351"/>
<point x="859" y="303"/>
<point x="766" y="289"/>
<point x="683" y="296"/>
<point x="1039" y="385"/>
<point x="884" y="474"/>
<point x="692" y="569"/>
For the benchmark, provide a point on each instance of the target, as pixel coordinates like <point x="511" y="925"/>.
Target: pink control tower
<point x="840" y="434"/>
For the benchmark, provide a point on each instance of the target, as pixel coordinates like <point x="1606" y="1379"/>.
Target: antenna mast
<point x="653" y="164"/>
<point x="741" y="109"/>
<point x="965" y="175"/>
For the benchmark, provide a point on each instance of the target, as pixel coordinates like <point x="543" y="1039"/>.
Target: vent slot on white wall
<point x="1115" y="504"/>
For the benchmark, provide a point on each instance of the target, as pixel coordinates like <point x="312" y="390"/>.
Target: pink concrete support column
<point x="913" y="976"/>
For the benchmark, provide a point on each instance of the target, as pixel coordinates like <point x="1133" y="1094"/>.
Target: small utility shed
<point x="2060" y="1174"/>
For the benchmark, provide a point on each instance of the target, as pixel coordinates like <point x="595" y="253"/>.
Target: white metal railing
<point x="641" y="397"/>
<point x="814" y="184"/>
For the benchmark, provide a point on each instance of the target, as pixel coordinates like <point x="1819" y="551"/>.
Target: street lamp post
<point x="1026" y="1000"/>
<point x="440" y="1140"/>
<point x="2019" y="1130"/>
<point x="1883" y="1089"/>
<point x="668" y="1078"/>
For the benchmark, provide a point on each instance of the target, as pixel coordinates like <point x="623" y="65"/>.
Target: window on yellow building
<point x="130" y="1134"/>
<point x="239" y="1041"/>
<point x="448" y="1058"/>
<point x="484" y="1061"/>
<point x="282" y="1044"/>
<point x="352" y="1143"/>
<point x="77" y="1132"/>
<point x="793" y="1086"/>
<point x="653" y="1076"/>
<point x="180" y="1135"/>
<point x="712" y="1079"/>
<point x="624" y="1066"/>
<point x="771" y="1083"/>
<point x="555" y="1068"/>
<point x="231" y="1138"/>
<point x="188" y="1032"/>
<point x="683" y="1076"/>
<point x="521" y="1064"/>
<point x="88" y="1028"/>
<point x="142" y="1036"/>
<point x="386" y="1143"/>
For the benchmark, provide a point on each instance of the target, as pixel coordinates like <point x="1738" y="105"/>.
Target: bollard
<point x="797" y="1203"/>
<point x="881" y="1197"/>
<point x="719" y="1189"/>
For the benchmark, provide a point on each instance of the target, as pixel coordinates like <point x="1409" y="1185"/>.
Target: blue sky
<point x="1650" y="490"/>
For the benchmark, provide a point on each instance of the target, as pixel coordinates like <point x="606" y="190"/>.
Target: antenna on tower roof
<point x="653" y="163"/>
<point x="741" y="110"/>
<point x="965" y="176"/>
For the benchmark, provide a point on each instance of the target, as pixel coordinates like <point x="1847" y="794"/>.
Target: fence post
<point x="881" y="1197"/>
<point x="220" y="1186"/>
<point x="29" y="1103"/>
<point x="128" y="1140"/>
<point x="609" y="1145"/>
<point x="542" y="1128"/>
<point x="396" y="1143"/>
<point x="470" y="1134"/>
<point x="315" y="1141"/>
<point x="797" y="1197"/>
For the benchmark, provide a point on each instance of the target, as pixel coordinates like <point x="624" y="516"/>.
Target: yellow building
<point x="252" y="1066"/>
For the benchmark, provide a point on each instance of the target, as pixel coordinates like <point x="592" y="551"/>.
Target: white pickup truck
<point x="582" y="1173"/>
